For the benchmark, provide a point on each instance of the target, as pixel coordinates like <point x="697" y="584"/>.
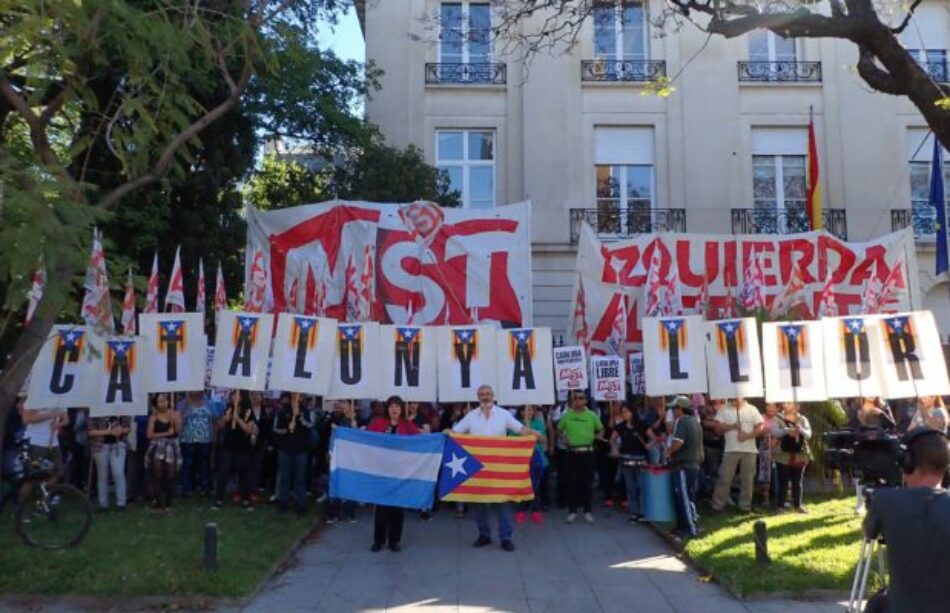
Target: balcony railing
<point x="937" y="71"/>
<point x="922" y="219"/>
<point x="786" y="221"/>
<point x="780" y="72"/>
<point x="610" y="223"/>
<point x="466" y="74"/>
<point x="632" y="71"/>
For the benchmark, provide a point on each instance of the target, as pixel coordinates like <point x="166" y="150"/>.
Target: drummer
<point x="686" y="453"/>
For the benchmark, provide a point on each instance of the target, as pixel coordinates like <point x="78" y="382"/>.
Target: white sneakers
<point x="571" y="517"/>
<point x="588" y="518"/>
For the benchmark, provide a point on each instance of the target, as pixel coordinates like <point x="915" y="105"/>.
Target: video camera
<point x="870" y="454"/>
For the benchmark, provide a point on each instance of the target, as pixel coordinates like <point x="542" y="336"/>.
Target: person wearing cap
<point x="580" y="427"/>
<point x="740" y="424"/>
<point x="686" y="454"/>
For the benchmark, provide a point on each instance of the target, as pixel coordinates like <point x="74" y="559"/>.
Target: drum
<point x="656" y="490"/>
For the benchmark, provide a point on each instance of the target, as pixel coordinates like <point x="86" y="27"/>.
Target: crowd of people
<point x="247" y="449"/>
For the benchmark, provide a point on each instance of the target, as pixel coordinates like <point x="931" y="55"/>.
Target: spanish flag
<point x="814" y="180"/>
<point x="486" y="468"/>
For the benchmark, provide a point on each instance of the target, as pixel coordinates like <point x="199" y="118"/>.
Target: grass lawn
<point x="817" y="551"/>
<point x="141" y="553"/>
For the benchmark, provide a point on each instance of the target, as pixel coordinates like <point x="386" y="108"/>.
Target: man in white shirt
<point x="740" y="424"/>
<point x="491" y="420"/>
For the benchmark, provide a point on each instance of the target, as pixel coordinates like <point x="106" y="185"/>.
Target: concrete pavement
<point x="608" y="566"/>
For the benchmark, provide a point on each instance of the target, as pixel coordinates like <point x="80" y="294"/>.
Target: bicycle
<point x="49" y="516"/>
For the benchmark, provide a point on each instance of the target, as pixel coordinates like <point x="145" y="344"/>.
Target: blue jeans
<point x="195" y="459"/>
<point x="684" y="496"/>
<point x="292" y="468"/>
<point x="631" y="482"/>
<point x="505" y="527"/>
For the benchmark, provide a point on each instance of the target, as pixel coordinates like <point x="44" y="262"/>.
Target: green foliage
<point x="823" y="417"/>
<point x="283" y="183"/>
<point x="385" y="174"/>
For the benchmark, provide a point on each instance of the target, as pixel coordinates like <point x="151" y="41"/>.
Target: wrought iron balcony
<point x="922" y="219"/>
<point x="937" y="71"/>
<point x="780" y="72"/>
<point x="616" y="223"/>
<point x="631" y="71"/>
<point x="786" y="221"/>
<point x="466" y="74"/>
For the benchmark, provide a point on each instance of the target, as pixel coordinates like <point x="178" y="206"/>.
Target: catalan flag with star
<point x="486" y="468"/>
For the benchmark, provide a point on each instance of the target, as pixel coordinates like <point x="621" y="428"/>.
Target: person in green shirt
<point x="579" y="427"/>
<point x="686" y="454"/>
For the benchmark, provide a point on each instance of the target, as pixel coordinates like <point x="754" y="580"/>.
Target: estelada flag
<point x="486" y="468"/>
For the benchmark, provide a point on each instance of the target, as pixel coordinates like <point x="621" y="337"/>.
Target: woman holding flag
<point x="389" y="520"/>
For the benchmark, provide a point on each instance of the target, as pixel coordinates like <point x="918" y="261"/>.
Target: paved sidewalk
<point x="609" y="566"/>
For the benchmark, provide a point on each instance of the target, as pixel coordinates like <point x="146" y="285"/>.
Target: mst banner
<point x="405" y="264"/>
<point x="719" y="261"/>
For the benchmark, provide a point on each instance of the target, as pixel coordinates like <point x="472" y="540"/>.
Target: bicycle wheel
<point x="58" y="518"/>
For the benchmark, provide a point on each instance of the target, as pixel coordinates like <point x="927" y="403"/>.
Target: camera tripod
<point x="870" y="549"/>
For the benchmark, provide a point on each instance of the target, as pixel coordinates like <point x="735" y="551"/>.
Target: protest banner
<point x="674" y="356"/>
<point x="912" y="359"/>
<point x="407" y="363"/>
<point x="242" y="348"/>
<point x="356" y="361"/>
<point x="174" y="351"/>
<point x="429" y="265"/>
<point x="525" y="370"/>
<point x="570" y="368"/>
<point x="793" y="361"/>
<point x="853" y="366"/>
<point x="466" y="360"/>
<point x="62" y="374"/>
<point x="638" y="383"/>
<point x="607" y="377"/>
<point x="117" y="363"/>
<point x="303" y="354"/>
<point x="733" y="360"/>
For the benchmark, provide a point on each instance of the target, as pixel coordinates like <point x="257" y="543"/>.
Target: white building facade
<point x="725" y="153"/>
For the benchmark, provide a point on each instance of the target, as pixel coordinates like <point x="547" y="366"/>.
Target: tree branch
<point x="910" y="15"/>
<point x="875" y="76"/>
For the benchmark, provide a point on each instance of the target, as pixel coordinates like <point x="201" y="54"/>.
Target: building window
<point x="620" y="31"/>
<point x="468" y="157"/>
<point x="920" y="146"/>
<point x="933" y="61"/>
<point x="779" y="184"/>
<point x="766" y="46"/>
<point x="465" y="32"/>
<point x="625" y="182"/>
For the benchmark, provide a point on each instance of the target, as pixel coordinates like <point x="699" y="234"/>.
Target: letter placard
<point x="241" y="350"/>
<point x="674" y="356"/>
<point x="407" y="362"/>
<point x="466" y="360"/>
<point x="121" y="390"/>
<point x="174" y="351"/>
<point x="356" y="361"/>
<point x="303" y="354"/>
<point x="852" y="356"/>
<point x="912" y="358"/>
<point x="793" y="360"/>
<point x="607" y="377"/>
<point x="525" y="369"/>
<point x="62" y="376"/>
<point x="570" y="369"/>
<point x="733" y="360"/>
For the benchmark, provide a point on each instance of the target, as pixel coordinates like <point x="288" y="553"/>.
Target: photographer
<point x="915" y="524"/>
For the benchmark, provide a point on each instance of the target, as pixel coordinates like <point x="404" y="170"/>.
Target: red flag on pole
<point x="151" y="294"/>
<point x="581" y="332"/>
<point x="37" y="286"/>
<point x="827" y="307"/>
<point x="618" y="328"/>
<point x="792" y="294"/>
<point x="220" y="295"/>
<point x="814" y="180"/>
<point x="175" y="297"/>
<point x="200" y="298"/>
<point x="129" y="327"/>
<point x="367" y="285"/>
<point x="97" y="302"/>
<point x="653" y="287"/>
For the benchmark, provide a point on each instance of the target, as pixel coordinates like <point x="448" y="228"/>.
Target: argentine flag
<point x="398" y="471"/>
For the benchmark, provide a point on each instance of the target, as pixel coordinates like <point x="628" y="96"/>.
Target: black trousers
<point x="230" y="462"/>
<point x="388" y="525"/>
<point x="789" y="474"/>
<point x="579" y="476"/>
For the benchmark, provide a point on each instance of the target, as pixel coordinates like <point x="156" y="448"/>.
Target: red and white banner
<point x="436" y="265"/>
<point x="720" y="262"/>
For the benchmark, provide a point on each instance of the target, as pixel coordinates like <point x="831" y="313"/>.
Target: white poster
<point x="302" y="354"/>
<point x="119" y="388"/>
<point x="638" y="382"/>
<point x="525" y="369"/>
<point x="853" y="364"/>
<point x="570" y="368"/>
<point x="793" y="360"/>
<point x="62" y="374"/>
<point x="174" y="351"/>
<point x="733" y="359"/>
<point x="674" y="355"/>
<point x="607" y="377"/>
<point x="466" y="360"/>
<point x="356" y="362"/>
<point x="912" y="358"/>
<point x="241" y="350"/>
<point x="407" y="362"/>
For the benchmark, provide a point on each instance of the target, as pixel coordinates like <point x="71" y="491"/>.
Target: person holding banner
<point x="631" y="438"/>
<point x="931" y="413"/>
<point x="107" y="439"/>
<point x="388" y="521"/>
<point x="792" y="430"/>
<point x="292" y="428"/>
<point x="197" y="432"/>
<point x="164" y="453"/>
<point x="580" y="427"/>
<point x="344" y="416"/>
<point x="740" y="424"/>
<point x="238" y="429"/>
